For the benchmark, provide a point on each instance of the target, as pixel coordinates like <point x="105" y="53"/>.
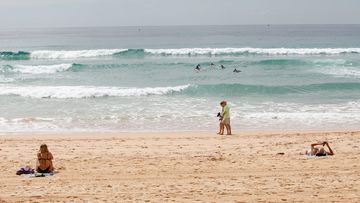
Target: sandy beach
<point x="183" y="167"/>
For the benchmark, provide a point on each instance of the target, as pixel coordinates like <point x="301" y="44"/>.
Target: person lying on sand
<point x="44" y="163"/>
<point x="319" y="151"/>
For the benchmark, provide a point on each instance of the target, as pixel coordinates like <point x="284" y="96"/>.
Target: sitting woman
<point x="319" y="151"/>
<point x="44" y="163"/>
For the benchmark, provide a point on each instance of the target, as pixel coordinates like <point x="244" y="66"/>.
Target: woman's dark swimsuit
<point x="321" y="154"/>
<point x="47" y="170"/>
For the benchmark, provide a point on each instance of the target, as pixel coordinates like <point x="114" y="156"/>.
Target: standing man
<point x="226" y="117"/>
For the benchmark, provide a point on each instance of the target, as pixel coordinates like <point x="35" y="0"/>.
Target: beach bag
<point x="25" y="170"/>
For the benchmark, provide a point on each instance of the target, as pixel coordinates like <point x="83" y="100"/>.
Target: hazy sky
<point x="65" y="13"/>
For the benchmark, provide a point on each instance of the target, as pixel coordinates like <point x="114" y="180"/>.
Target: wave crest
<point x="64" y="54"/>
<point x="339" y="72"/>
<point x="41" y="69"/>
<point x="244" y="89"/>
<point x="300" y="62"/>
<point x="9" y="55"/>
<point x="46" y="54"/>
<point x="65" y="92"/>
<point x="249" y="50"/>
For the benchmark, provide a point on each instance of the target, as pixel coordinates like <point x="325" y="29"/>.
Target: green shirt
<point x="226" y="111"/>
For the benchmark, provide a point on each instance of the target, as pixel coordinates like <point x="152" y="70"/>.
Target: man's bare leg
<point x="221" y="130"/>
<point x="228" y="129"/>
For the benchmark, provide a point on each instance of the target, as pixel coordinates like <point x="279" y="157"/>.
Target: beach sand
<point x="183" y="167"/>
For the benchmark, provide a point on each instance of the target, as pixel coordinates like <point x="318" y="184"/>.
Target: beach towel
<point x="36" y="175"/>
<point x="314" y="156"/>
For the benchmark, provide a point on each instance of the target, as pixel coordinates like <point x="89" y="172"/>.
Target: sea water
<point x="143" y="79"/>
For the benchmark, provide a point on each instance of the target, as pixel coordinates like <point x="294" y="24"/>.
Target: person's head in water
<point x="222" y="66"/>
<point x="197" y="67"/>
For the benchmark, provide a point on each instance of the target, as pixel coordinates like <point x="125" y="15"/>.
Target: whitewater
<point x="63" y="54"/>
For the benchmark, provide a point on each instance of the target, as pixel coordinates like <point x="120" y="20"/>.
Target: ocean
<point x="293" y="77"/>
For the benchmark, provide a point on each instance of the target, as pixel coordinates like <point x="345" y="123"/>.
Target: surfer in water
<point x="222" y="66"/>
<point x="212" y="66"/>
<point x="236" y="71"/>
<point x="198" y="67"/>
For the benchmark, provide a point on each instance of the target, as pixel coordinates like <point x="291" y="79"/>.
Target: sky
<point x="84" y="13"/>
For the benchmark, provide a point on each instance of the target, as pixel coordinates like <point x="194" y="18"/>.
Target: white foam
<point x="273" y="115"/>
<point x="340" y="72"/>
<point x="47" y="54"/>
<point x="64" y="92"/>
<point x="6" y="80"/>
<point x="41" y="69"/>
<point x="334" y="62"/>
<point x="29" y="124"/>
<point x="63" y="54"/>
<point x="267" y="51"/>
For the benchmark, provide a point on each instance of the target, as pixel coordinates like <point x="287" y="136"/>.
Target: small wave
<point x="41" y="69"/>
<point x="64" y="92"/>
<point x="332" y="62"/>
<point x="249" y="50"/>
<point x="283" y="62"/>
<point x="302" y="62"/>
<point x="9" y="55"/>
<point x="242" y="89"/>
<point x="340" y="72"/>
<point x="130" y="52"/>
<point x="46" y="54"/>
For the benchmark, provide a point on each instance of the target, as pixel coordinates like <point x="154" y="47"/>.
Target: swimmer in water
<point x="222" y="66"/>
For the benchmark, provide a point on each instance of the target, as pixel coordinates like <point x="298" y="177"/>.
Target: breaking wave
<point x="65" y="92"/>
<point x="243" y="89"/>
<point x="249" y="50"/>
<point x="46" y="54"/>
<point x="73" y="54"/>
<point x="39" y="69"/>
